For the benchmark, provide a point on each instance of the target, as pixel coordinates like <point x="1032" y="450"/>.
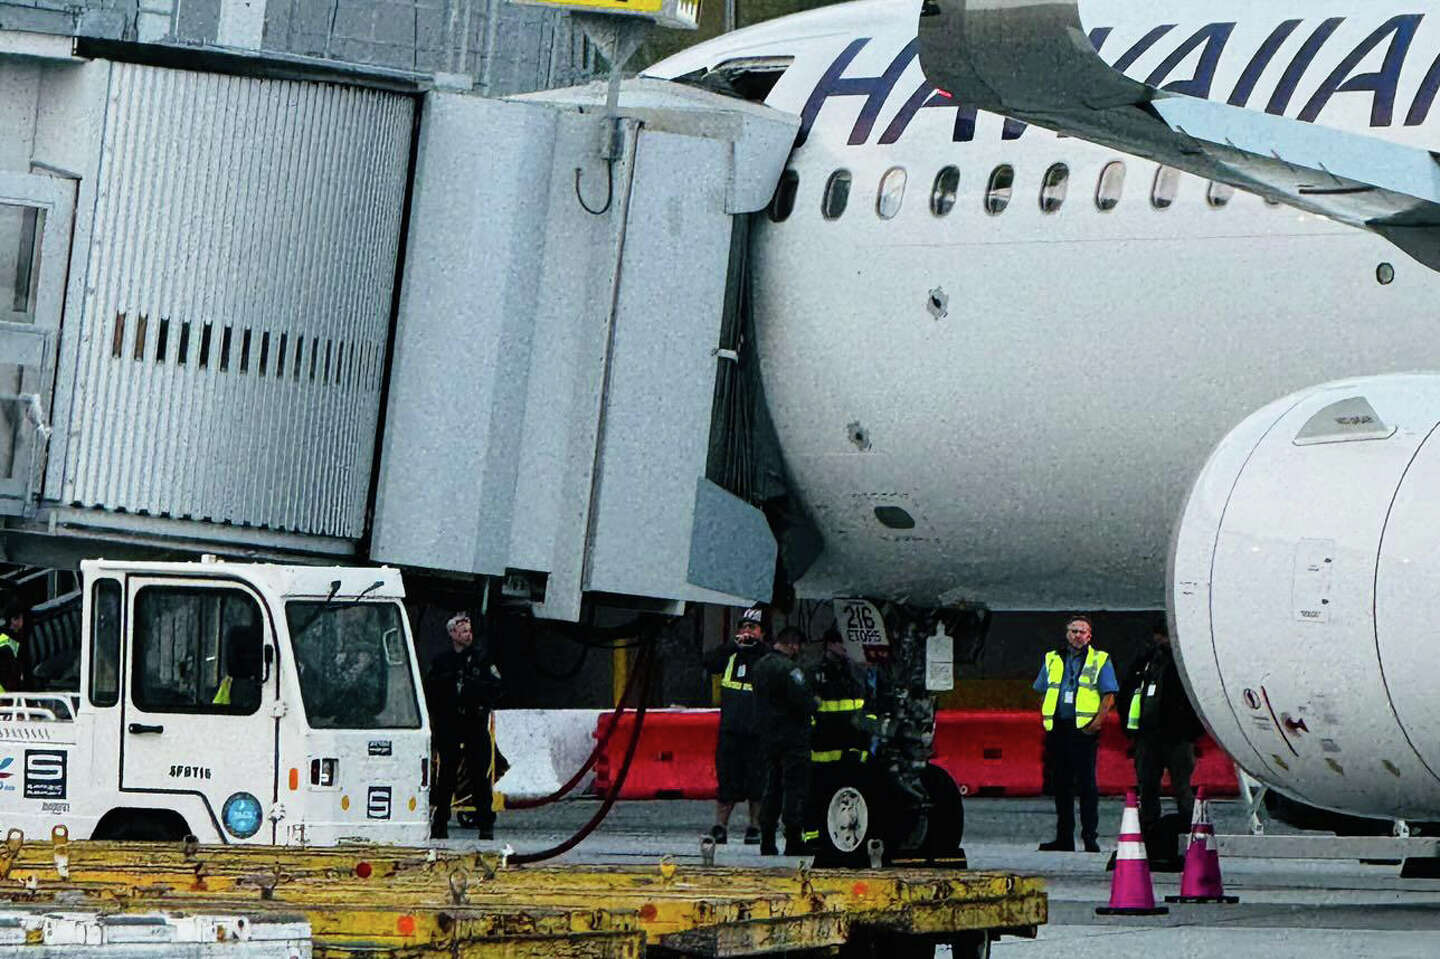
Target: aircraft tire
<point x="945" y="826"/>
<point x="848" y="812"/>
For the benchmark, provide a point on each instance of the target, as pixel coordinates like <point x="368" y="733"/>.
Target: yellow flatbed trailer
<point x="382" y="902"/>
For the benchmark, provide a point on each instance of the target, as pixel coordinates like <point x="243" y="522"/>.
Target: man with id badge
<point x="1165" y="728"/>
<point x="1079" y="687"/>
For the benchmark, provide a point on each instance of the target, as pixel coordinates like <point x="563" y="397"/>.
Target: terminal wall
<point x="214" y="329"/>
<point x="498" y="47"/>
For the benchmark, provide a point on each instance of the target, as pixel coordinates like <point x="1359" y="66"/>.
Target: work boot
<point x="767" y="845"/>
<point x="752" y="835"/>
<point x="718" y="833"/>
<point x="1092" y="846"/>
<point x="1057" y="845"/>
<point x="439" y="828"/>
<point x="794" y="845"/>
<point x="485" y="831"/>
<point x="1162" y="846"/>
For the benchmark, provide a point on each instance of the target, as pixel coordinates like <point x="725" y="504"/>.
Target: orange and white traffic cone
<point x="1131" y="893"/>
<point x="1201" y="879"/>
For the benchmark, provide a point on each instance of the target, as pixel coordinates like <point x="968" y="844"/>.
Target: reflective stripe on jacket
<point x="729" y="679"/>
<point x="737" y="691"/>
<point x="837" y="731"/>
<point x="840" y="725"/>
<point x="1087" y="693"/>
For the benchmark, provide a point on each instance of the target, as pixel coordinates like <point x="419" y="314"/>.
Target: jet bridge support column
<point x="555" y="359"/>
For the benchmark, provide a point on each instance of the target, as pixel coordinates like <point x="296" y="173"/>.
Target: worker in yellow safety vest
<point x="12" y="631"/>
<point x="1164" y="726"/>
<point x="1079" y="687"/>
<point x="738" y="773"/>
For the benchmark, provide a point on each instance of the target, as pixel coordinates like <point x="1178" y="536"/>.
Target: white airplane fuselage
<point x="1043" y="428"/>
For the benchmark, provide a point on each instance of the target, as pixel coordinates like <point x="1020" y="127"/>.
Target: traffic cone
<point x="1130" y="891"/>
<point x="1201" y="879"/>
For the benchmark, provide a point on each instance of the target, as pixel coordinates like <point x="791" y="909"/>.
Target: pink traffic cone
<point x="1201" y="879"/>
<point x="1130" y="891"/>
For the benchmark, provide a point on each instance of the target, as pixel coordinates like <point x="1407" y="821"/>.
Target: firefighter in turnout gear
<point x="1162" y="720"/>
<point x="841" y="725"/>
<point x="739" y="775"/>
<point x="784" y="704"/>
<point x="1078" y="683"/>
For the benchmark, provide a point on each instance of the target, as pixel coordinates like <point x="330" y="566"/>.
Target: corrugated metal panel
<point x="237" y="302"/>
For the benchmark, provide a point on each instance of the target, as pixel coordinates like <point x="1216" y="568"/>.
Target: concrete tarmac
<point x="1289" y="909"/>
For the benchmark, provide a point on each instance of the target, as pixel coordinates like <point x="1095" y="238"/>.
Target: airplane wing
<point x="1032" y="60"/>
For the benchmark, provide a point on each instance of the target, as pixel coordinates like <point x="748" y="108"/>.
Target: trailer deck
<point x="380" y="901"/>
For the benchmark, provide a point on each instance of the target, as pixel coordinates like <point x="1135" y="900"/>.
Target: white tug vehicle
<point x="236" y="702"/>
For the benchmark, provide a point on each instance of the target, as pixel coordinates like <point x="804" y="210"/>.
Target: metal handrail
<point x="38" y="707"/>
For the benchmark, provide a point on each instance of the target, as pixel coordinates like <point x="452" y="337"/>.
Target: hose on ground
<point x="604" y="810"/>
<point x="601" y="741"/>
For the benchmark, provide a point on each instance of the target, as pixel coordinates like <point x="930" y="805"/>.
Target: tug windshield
<point x="354" y="665"/>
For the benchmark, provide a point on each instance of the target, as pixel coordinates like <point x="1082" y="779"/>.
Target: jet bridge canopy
<point x="555" y="363"/>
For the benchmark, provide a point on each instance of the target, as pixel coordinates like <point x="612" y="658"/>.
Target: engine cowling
<point x="1304" y="587"/>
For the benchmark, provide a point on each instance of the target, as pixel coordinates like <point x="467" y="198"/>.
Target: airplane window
<point x="837" y="194"/>
<point x="1167" y="184"/>
<point x="1053" y="190"/>
<point x="997" y="194"/>
<point x="1219" y="194"/>
<point x="942" y="194"/>
<point x="892" y="192"/>
<point x="784" y="200"/>
<point x="1111" y="186"/>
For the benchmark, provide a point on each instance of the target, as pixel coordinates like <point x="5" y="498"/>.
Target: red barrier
<point x="991" y="752"/>
<point x="986" y="752"/>
<point x="1001" y="753"/>
<point x="675" y="758"/>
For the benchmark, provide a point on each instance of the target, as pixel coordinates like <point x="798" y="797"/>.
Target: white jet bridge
<point x="343" y="318"/>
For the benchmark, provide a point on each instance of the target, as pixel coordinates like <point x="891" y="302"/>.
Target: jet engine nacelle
<point x="1305" y="593"/>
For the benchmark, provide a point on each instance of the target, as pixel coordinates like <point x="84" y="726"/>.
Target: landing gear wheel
<point x="466" y="818"/>
<point x="848" y="819"/>
<point x="945" y="819"/>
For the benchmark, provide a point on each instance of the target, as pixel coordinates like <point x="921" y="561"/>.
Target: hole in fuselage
<point x="894" y="517"/>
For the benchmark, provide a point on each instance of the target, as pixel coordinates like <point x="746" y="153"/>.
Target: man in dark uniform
<point x="462" y="688"/>
<point x="738" y="772"/>
<point x="1165" y="727"/>
<point x="784" y="705"/>
<point x="12" y="636"/>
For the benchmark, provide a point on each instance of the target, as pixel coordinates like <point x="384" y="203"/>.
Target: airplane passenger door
<point x="35" y="217"/>
<point x="199" y="718"/>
